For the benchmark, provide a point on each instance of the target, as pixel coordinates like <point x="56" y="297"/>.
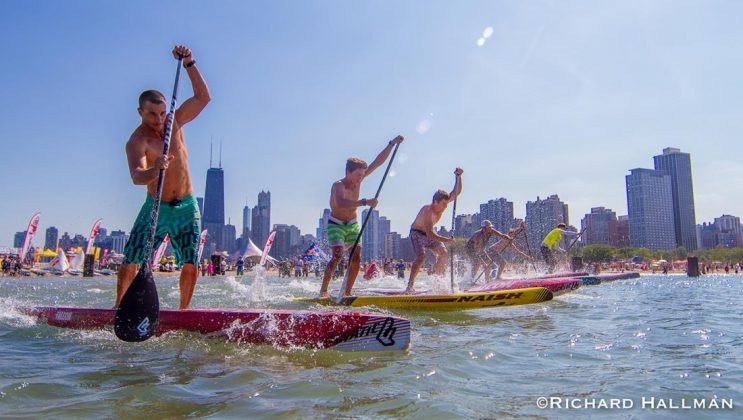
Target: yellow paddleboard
<point x="457" y="301"/>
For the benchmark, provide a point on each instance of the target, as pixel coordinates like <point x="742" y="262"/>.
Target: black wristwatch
<point x="363" y="201"/>
<point x="191" y="64"/>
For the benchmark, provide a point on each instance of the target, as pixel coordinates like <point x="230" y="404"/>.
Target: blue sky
<point x="564" y="97"/>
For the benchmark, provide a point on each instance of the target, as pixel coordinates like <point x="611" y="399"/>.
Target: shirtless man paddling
<point x="423" y="236"/>
<point x="179" y="212"/>
<point x="343" y="227"/>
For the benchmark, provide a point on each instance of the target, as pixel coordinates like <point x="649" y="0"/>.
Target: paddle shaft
<point x="574" y="241"/>
<point x="528" y="248"/>
<point x="161" y="176"/>
<point x="451" y="253"/>
<point x="363" y="225"/>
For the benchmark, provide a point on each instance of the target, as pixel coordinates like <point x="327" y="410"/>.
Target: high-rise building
<point x="65" y="241"/>
<point x="385" y="227"/>
<point x="707" y="235"/>
<point x="118" y="241"/>
<point x="18" y="239"/>
<point x="728" y="231"/>
<point x="650" y="206"/>
<point x="622" y="240"/>
<point x="200" y="201"/>
<point x="322" y="227"/>
<point x="499" y="212"/>
<point x="371" y="241"/>
<point x="678" y="166"/>
<point x="261" y="219"/>
<point x="464" y="226"/>
<point x="246" y="222"/>
<point x="213" y="217"/>
<point x="52" y="236"/>
<point x="600" y="227"/>
<point x="229" y="236"/>
<point x="542" y="216"/>
<point x="286" y="242"/>
<point x="392" y="245"/>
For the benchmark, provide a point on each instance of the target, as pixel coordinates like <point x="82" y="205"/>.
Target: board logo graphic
<point x="143" y="327"/>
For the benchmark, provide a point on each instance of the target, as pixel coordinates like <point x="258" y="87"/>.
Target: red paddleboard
<point x="345" y="331"/>
<point x="556" y="286"/>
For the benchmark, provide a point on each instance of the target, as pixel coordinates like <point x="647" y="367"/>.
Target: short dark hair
<point x="561" y="225"/>
<point x="353" y="164"/>
<point x="153" y="96"/>
<point x="440" y="195"/>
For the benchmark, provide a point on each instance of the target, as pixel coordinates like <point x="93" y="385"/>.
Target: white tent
<point x="252" y="250"/>
<point x="78" y="261"/>
<point x="60" y="263"/>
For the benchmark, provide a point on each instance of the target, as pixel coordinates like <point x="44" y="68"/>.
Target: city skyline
<point x="333" y="85"/>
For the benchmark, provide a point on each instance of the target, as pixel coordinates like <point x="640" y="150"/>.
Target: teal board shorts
<point x="180" y="219"/>
<point x="343" y="234"/>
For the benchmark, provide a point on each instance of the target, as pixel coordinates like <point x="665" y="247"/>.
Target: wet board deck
<point x="320" y="330"/>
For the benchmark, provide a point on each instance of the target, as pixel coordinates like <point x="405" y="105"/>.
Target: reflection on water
<point x="668" y="337"/>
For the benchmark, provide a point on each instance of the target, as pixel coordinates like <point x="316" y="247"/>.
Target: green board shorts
<point x="343" y="234"/>
<point x="180" y="219"/>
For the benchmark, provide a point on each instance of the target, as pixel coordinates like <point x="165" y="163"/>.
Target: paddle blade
<point x="139" y="310"/>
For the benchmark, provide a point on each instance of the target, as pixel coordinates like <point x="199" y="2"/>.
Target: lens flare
<point x="424" y="126"/>
<point x="488" y="32"/>
<point x="481" y="42"/>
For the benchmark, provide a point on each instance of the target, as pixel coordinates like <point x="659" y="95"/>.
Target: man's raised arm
<point x="457" y="185"/>
<point x="383" y="155"/>
<point x="192" y="106"/>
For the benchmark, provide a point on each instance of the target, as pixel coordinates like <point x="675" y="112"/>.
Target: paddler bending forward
<point x="480" y="257"/>
<point x="424" y="237"/>
<point x="550" y="244"/>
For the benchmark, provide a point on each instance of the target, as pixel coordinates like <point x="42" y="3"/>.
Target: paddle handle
<point x="363" y="226"/>
<point x="161" y="175"/>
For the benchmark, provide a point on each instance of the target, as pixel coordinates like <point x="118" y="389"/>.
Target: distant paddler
<point x="179" y="214"/>
<point x="550" y="244"/>
<point x="343" y="226"/>
<point x="479" y="256"/>
<point x="424" y="237"/>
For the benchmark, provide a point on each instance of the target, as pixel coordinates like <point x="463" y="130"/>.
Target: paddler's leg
<point x="414" y="272"/>
<point x="353" y="271"/>
<point x="498" y="259"/>
<point x="126" y="275"/>
<point x="189" y="274"/>
<point x="441" y="259"/>
<point x="330" y="269"/>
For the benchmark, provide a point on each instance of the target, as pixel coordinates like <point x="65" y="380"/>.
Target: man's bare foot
<point x="324" y="295"/>
<point x="409" y="291"/>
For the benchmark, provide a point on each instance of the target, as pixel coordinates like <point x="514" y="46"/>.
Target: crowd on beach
<point x="11" y="265"/>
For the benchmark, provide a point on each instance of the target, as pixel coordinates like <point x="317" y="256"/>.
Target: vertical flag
<point x="33" y="224"/>
<point x="201" y="243"/>
<point x="160" y="250"/>
<point x="93" y="234"/>
<point x="269" y="243"/>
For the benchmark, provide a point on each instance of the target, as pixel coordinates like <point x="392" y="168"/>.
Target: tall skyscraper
<point x="200" y="201"/>
<point x="18" y="239"/>
<point x="118" y="241"/>
<point x="678" y="166"/>
<point x="499" y="212"/>
<point x="392" y="245"/>
<point x="370" y="239"/>
<point x="52" y="236"/>
<point x="728" y="231"/>
<point x="385" y="227"/>
<point x="622" y="232"/>
<point x="261" y="219"/>
<point x="246" y="222"/>
<point x="229" y="236"/>
<point x="213" y="216"/>
<point x="601" y="227"/>
<point x="322" y="227"/>
<point x="542" y="216"/>
<point x="286" y="241"/>
<point x="650" y="206"/>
